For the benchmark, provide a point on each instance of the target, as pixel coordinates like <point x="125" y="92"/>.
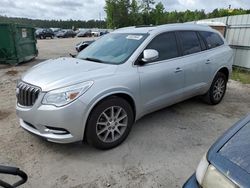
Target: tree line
<point x="122" y="13"/>
<point x="66" y="24"/>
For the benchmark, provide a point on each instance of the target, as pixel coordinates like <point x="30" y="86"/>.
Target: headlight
<point x="66" y="95"/>
<point x="201" y="169"/>
<point x="208" y="176"/>
<point x="213" y="178"/>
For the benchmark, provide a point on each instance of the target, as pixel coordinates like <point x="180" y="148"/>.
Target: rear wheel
<point x="217" y="90"/>
<point x="109" y="123"/>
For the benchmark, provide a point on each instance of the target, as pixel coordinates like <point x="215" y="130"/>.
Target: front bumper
<point x="192" y="182"/>
<point x="47" y="120"/>
<point x="57" y="138"/>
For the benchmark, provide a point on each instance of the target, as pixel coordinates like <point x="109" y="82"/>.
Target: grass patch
<point x="240" y="75"/>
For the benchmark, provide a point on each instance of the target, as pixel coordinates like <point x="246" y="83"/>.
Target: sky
<point x="94" y="9"/>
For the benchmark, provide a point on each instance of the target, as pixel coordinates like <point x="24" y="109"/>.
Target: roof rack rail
<point x="138" y="26"/>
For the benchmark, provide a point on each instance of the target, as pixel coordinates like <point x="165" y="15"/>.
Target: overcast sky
<point x="92" y="9"/>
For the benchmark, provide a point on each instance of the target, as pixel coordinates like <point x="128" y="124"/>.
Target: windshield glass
<point x="113" y="48"/>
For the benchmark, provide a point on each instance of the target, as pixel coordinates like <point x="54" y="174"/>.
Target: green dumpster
<point x="17" y="43"/>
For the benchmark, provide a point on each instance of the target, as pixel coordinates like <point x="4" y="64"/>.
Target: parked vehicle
<point x="82" y="45"/>
<point x="95" y="33"/>
<point x="15" y="172"/>
<point x="119" y="78"/>
<point x="103" y="32"/>
<point x="44" y="33"/>
<point x="227" y="162"/>
<point x="84" y="33"/>
<point x="67" y="33"/>
<point x="56" y="30"/>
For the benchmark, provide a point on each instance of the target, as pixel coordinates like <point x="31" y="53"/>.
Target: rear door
<point x="216" y="55"/>
<point x="196" y="71"/>
<point x="162" y="80"/>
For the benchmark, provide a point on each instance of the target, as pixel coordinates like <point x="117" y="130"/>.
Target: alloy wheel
<point x="219" y="89"/>
<point x="111" y="124"/>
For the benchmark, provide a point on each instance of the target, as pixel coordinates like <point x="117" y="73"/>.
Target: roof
<point x="161" y="28"/>
<point x="211" y="23"/>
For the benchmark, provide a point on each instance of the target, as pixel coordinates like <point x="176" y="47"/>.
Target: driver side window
<point x="166" y="45"/>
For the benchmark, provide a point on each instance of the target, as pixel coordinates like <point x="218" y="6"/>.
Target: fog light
<point x="56" y="130"/>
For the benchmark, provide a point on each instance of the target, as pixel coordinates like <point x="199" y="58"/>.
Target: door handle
<point x="178" y="69"/>
<point x="208" y="61"/>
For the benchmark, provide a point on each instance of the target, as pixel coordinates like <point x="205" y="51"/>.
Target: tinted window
<point x="189" y="42"/>
<point x="203" y="45"/>
<point x="166" y="45"/>
<point x="213" y="39"/>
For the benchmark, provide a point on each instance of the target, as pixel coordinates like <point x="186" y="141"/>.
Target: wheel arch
<point x="225" y="71"/>
<point x="125" y="95"/>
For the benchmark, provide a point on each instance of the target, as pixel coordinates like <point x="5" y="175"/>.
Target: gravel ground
<point x="162" y="150"/>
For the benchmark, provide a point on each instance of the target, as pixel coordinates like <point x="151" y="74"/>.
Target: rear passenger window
<point x="213" y="39"/>
<point x="166" y="45"/>
<point x="189" y="42"/>
<point x="202" y="42"/>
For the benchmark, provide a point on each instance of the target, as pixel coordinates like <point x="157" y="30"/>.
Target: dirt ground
<point x="162" y="150"/>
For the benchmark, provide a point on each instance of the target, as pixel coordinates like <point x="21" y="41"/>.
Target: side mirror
<point x="150" y="55"/>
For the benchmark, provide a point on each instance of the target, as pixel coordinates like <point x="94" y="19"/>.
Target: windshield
<point x="113" y="48"/>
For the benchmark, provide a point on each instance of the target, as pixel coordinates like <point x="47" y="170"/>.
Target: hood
<point x="230" y="153"/>
<point x="237" y="148"/>
<point x="61" y="72"/>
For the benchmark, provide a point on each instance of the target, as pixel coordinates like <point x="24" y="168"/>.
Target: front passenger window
<point x="166" y="45"/>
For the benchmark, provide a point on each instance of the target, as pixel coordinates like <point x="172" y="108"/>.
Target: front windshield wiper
<point x="93" y="59"/>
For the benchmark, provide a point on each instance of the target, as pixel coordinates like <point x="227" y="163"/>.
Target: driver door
<point x="162" y="80"/>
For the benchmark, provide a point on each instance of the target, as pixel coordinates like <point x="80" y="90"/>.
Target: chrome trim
<point x="27" y="94"/>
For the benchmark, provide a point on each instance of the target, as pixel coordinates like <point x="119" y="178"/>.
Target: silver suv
<point x="124" y="75"/>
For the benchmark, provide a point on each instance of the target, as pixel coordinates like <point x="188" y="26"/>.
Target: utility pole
<point x="229" y="7"/>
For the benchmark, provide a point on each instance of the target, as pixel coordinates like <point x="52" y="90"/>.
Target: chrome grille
<point x="27" y="94"/>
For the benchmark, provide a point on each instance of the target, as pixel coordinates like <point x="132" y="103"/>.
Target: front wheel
<point x="217" y="90"/>
<point x="109" y="123"/>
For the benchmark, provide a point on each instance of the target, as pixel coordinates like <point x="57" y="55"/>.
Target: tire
<point x="217" y="89"/>
<point x="103" y="133"/>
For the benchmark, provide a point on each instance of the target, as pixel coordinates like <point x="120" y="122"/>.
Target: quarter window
<point x="213" y="39"/>
<point x="166" y="45"/>
<point x="189" y="42"/>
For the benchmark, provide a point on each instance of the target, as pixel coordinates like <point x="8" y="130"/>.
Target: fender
<point x="100" y="96"/>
